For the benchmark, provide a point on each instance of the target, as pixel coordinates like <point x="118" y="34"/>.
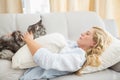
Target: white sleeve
<point x="62" y="62"/>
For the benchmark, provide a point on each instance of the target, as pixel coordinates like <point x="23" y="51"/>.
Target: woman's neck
<point x="84" y="48"/>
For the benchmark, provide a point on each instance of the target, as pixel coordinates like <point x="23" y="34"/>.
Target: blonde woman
<point x="73" y="58"/>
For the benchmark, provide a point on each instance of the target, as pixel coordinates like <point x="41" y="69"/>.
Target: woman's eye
<point x="87" y="33"/>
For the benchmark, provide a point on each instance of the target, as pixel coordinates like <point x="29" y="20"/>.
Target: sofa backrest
<point x="11" y="22"/>
<point x="25" y="20"/>
<point x="56" y="22"/>
<point x="79" y="22"/>
<point x="7" y="23"/>
<point x="70" y="24"/>
<point x="111" y="27"/>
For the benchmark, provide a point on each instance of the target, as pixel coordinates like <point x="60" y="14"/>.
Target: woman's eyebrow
<point x="88" y="32"/>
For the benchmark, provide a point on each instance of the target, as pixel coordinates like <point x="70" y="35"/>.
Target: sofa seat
<point x="106" y="74"/>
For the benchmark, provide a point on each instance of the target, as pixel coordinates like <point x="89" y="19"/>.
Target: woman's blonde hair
<point x="102" y="39"/>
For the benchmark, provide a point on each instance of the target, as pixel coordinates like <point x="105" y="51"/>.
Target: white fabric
<point x="7" y="73"/>
<point x="101" y="75"/>
<point x="23" y="58"/>
<point x="25" y="20"/>
<point x="108" y="58"/>
<point x="79" y="22"/>
<point x="111" y="27"/>
<point x="7" y="23"/>
<point x="116" y="67"/>
<point x="54" y="22"/>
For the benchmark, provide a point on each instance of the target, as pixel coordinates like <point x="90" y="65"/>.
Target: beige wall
<point x="116" y="8"/>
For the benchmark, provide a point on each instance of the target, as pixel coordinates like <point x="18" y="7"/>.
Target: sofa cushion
<point x="7" y="73"/>
<point x="79" y="22"/>
<point x="24" y="20"/>
<point x="7" y="23"/>
<point x="101" y="75"/>
<point x="116" y="67"/>
<point x="55" y="22"/>
<point x="111" y="27"/>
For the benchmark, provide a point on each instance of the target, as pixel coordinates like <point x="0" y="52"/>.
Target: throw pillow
<point x="116" y="67"/>
<point x="23" y="58"/>
<point x="109" y="57"/>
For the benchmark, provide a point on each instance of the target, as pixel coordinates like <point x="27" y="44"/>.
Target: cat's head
<point x="37" y="29"/>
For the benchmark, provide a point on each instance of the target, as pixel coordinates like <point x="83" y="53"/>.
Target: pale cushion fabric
<point x="7" y="23"/>
<point x="7" y="73"/>
<point x="23" y="58"/>
<point x="24" y="20"/>
<point x="111" y="27"/>
<point x="109" y="57"/>
<point x="79" y="22"/>
<point x="54" y="22"/>
<point x="101" y="75"/>
<point x="116" y="67"/>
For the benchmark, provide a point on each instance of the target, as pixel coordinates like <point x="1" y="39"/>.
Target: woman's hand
<point x="27" y="36"/>
<point x="32" y="44"/>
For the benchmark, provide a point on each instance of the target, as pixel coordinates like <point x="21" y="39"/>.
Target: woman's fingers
<point x="27" y="36"/>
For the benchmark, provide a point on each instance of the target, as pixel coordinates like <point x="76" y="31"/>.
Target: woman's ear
<point x="93" y="44"/>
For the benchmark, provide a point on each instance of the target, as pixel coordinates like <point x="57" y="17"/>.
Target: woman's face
<point x="85" y="40"/>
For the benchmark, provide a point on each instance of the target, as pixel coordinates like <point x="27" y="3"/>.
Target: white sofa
<point x="69" y="24"/>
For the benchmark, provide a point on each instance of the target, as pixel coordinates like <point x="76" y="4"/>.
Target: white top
<point x="70" y="58"/>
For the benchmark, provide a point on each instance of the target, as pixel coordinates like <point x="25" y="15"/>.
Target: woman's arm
<point x="32" y="44"/>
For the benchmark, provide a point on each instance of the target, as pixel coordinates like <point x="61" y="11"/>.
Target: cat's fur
<point x="9" y="44"/>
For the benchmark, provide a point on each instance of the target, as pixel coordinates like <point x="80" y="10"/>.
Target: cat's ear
<point x="41" y="21"/>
